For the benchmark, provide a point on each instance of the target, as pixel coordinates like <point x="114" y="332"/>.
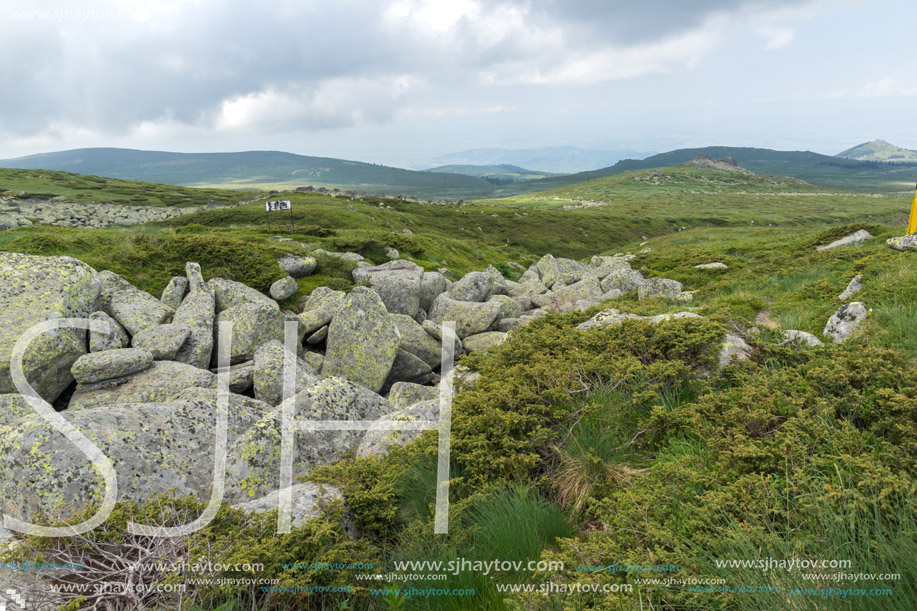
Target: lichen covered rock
<point x="253" y="324"/>
<point x="162" y="381"/>
<point x="98" y="366"/>
<point x="362" y="340"/>
<point x="162" y="341"/>
<point x="469" y="317"/>
<point x="36" y="289"/>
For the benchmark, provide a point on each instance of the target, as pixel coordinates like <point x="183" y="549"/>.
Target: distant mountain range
<point x="814" y="168"/>
<point x="277" y="170"/>
<point x="552" y="159"/>
<point x="497" y="174"/>
<point x="256" y="169"/>
<point x="880" y="150"/>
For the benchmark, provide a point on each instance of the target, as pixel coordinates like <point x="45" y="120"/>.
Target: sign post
<point x="277" y="206"/>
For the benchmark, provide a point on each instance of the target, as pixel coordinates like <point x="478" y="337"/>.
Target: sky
<point x="402" y="81"/>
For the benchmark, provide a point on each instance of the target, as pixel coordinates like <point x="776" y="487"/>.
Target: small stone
<point x="284" y="288"/>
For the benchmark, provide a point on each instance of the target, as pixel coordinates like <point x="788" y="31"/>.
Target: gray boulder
<point x="154" y="448"/>
<point x="36" y="289"/>
<point x="254" y="459"/>
<point x="435" y="331"/>
<point x="362" y="340"/>
<point x="802" y="337"/>
<point x="308" y="501"/>
<point x="109" y="284"/>
<point x="174" y="292"/>
<point x="845" y="321"/>
<point x="571" y="271"/>
<point x="587" y="289"/>
<point x="405" y="394"/>
<point x="417" y="341"/>
<point x="601" y="266"/>
<point x="406" y="368"/>
<point x="510" y="324"/>
<point x="162" y="341"/>
<point x="194" y="276"/>
<point x="115" y="338"/>
<point x="903" y="242"/>
<point x="613" y="316"/>
<point x="318" y="337"/>
<point x="549" y="272"/>
<point x="500" y="283"/>
<point x="623" y="279"/>
<point x="267" y="375"/>
<point x="432" y="285"/>
<point x="324" y="298"/>
<point x="397" y="283"/>
<point x="483" y="341"/>
<point x="854" y="286"/>
<point x="853" y="239"/>
<point x="474" y="286"/>
<point x="108" y="364"/>
<point x="240" y="376"/>
<point x="297" y="266"/>
<point x="253" y="324"/>
<point x="733" y="348"/>
<point x="209" y="395"/>
<point x="196" y="312"/>
<point x="284" y="288"/>
<point x="313" y="320"/>
<point x="659" y="288"/>
<point x="378" y="442"/>
<point x="162" y="381"/>
<point x="229" y="293"/>
<point x="136" y="310"/>
<point x="469" y="317"/>
<point x="714" y="265"/>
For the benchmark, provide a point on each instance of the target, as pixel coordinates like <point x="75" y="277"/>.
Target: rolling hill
<point x="552" y="159"/>
<point x="814" y="168"/>
<point x="251" y="169"/>
<point x="880" y="150"/>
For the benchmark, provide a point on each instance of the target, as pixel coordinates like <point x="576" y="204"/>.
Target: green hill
<point x="821" y="170"/>
<point x="251" y="169"/>
<point x="880" y="150"/>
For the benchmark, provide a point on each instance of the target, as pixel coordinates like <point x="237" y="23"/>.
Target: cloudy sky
<point x="401" y="81"/>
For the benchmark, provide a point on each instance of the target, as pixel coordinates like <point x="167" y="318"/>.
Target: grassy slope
<point x="95" y="189"/>
<point x="460" y="238"/>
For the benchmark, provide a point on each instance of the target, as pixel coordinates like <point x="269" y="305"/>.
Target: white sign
<point x="274" y="206"/>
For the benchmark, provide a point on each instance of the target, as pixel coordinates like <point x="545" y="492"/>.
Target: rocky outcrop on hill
<point x="142" y="383"/>
<point x="63" y="213"/>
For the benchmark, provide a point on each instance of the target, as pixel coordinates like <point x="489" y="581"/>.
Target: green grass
<point x="45" y="184"/>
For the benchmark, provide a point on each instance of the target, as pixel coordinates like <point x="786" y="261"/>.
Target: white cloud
<point x="776" y="38"/>
<point x="882" y="88"/>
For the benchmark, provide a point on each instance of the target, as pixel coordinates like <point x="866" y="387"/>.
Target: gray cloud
<point x="283" y="64"/>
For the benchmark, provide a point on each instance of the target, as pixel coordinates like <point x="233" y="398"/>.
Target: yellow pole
<point x="912" y="222"/>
